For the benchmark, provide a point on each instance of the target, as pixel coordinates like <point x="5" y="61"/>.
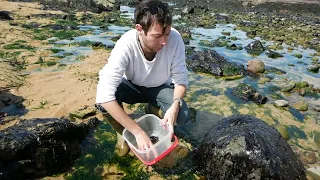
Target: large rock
<point x="209" y="61"/>
<point x="244" y="147"/>
<point x="38" y="147"/>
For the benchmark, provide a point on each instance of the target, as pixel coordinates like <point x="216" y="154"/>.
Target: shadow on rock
<point x="38" y="147"/>
<point x="244" y="147"/>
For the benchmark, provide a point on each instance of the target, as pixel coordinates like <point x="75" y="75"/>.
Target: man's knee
<point x="183" y="116"/>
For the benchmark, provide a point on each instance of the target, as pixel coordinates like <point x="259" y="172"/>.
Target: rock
<point x="2" y="104"/>
<point x="273" y="55"/>
<point x="309" y="158"/>
<point x="188" y="10"/>
<point x="281" y="103"/>
<point x="302" y="84"/>
<point x="298" y="56"/>
<point x="289" y="87"/>
<point x="38" y="147"/>
<point x="255" y="47"/>
<point x="4" y="15"/>
<point x="301" y="106"/>
<point x="176" y="155"/>
<point x="283" y="130"/>
<point x="314" y="172"/>
<point x="95" y="6"/>
<point x="317" y="109"/>
<point x="248" y="93"/>
<point x="314" y="68"/>
<point x="259" y="99"/>
<point x="249" y="147"/>
<point x="255" y="66"/>
<point x="209" y="61"/>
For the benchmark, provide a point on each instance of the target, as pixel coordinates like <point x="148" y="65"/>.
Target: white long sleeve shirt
<point x="127" y="61"/>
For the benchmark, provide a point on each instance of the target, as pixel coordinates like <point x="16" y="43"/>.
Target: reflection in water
<point x="194" y="132"/>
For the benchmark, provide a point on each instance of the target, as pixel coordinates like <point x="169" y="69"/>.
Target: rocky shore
<point x="48" y="80"/>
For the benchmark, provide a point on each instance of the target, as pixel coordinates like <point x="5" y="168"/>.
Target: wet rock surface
<point x="37" y="147"/>
<point x="209" y="61"/>
<point x="248" y="93"/>
<point x="244" y="147"/>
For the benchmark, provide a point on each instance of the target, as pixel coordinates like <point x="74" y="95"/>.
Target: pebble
<point x="281" y="103"/>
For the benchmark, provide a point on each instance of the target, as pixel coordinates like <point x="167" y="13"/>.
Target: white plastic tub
<point x="151" y="125"/>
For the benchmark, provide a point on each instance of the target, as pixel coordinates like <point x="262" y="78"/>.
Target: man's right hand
<point x="143" y="141"/>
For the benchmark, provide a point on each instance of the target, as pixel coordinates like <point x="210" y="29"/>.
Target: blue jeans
<point x="161" y="96"/>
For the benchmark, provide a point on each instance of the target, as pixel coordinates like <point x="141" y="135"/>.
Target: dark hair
<point x="150" y="11"/>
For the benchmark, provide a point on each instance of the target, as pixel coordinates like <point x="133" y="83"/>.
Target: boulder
<point x="209" y="61"/>
<point x="37" y="147"/>
<point x="4" y="15"/>
<point x="301" y="106"/>
<point x="255" y="66"/>
<point x="244" y="147"/>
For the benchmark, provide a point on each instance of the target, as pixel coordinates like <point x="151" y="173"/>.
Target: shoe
<point x="121" y="147"/>
<point x="151" y="109"/>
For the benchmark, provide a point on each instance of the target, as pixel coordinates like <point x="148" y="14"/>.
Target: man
<point x="147" y="65"/>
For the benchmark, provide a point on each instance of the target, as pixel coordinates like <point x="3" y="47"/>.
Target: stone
<point x="255" y="47"/>
<point x="248" y="146"/>
<point x="4" y="15"/>
<point x="281" y="103"/>
<point x="289" y="87"/>
<point x="314" y="172"/>
<point x="301" y="106"/>
<point x="176" y="155"/>
<point x="255" y="66"/>
<point x="273" y="55"/>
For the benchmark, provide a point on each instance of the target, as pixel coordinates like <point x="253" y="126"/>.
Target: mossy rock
<point x="273" y="47"/>
<point x="276" y="96"/>
<point x="225" y="33"/>
<point x="234" y="38"/>
<point x="314" y="58"/>
<point x="289" y="87"/>
<point x="283" y="130"/>
<point x="298" y="56"/>
<point x="231" y="78"/>
<point x="301" y="106"/>
<point x="206" y="43"/>
<point x="316" y="138"/>
<point x="301" y="84"/>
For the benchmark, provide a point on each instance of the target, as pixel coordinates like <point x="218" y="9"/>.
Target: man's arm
<point x="121" y="116"/>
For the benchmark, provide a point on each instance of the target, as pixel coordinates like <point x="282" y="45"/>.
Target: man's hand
<point x="143" y="141"/>
<point x="171" y="116"/>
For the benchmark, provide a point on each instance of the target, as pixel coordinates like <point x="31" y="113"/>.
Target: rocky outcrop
<point x="244" y="147"/>
<point x="38" y="147"/>
<point x="96" y="6"/>
<point x="209" y="61"/>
